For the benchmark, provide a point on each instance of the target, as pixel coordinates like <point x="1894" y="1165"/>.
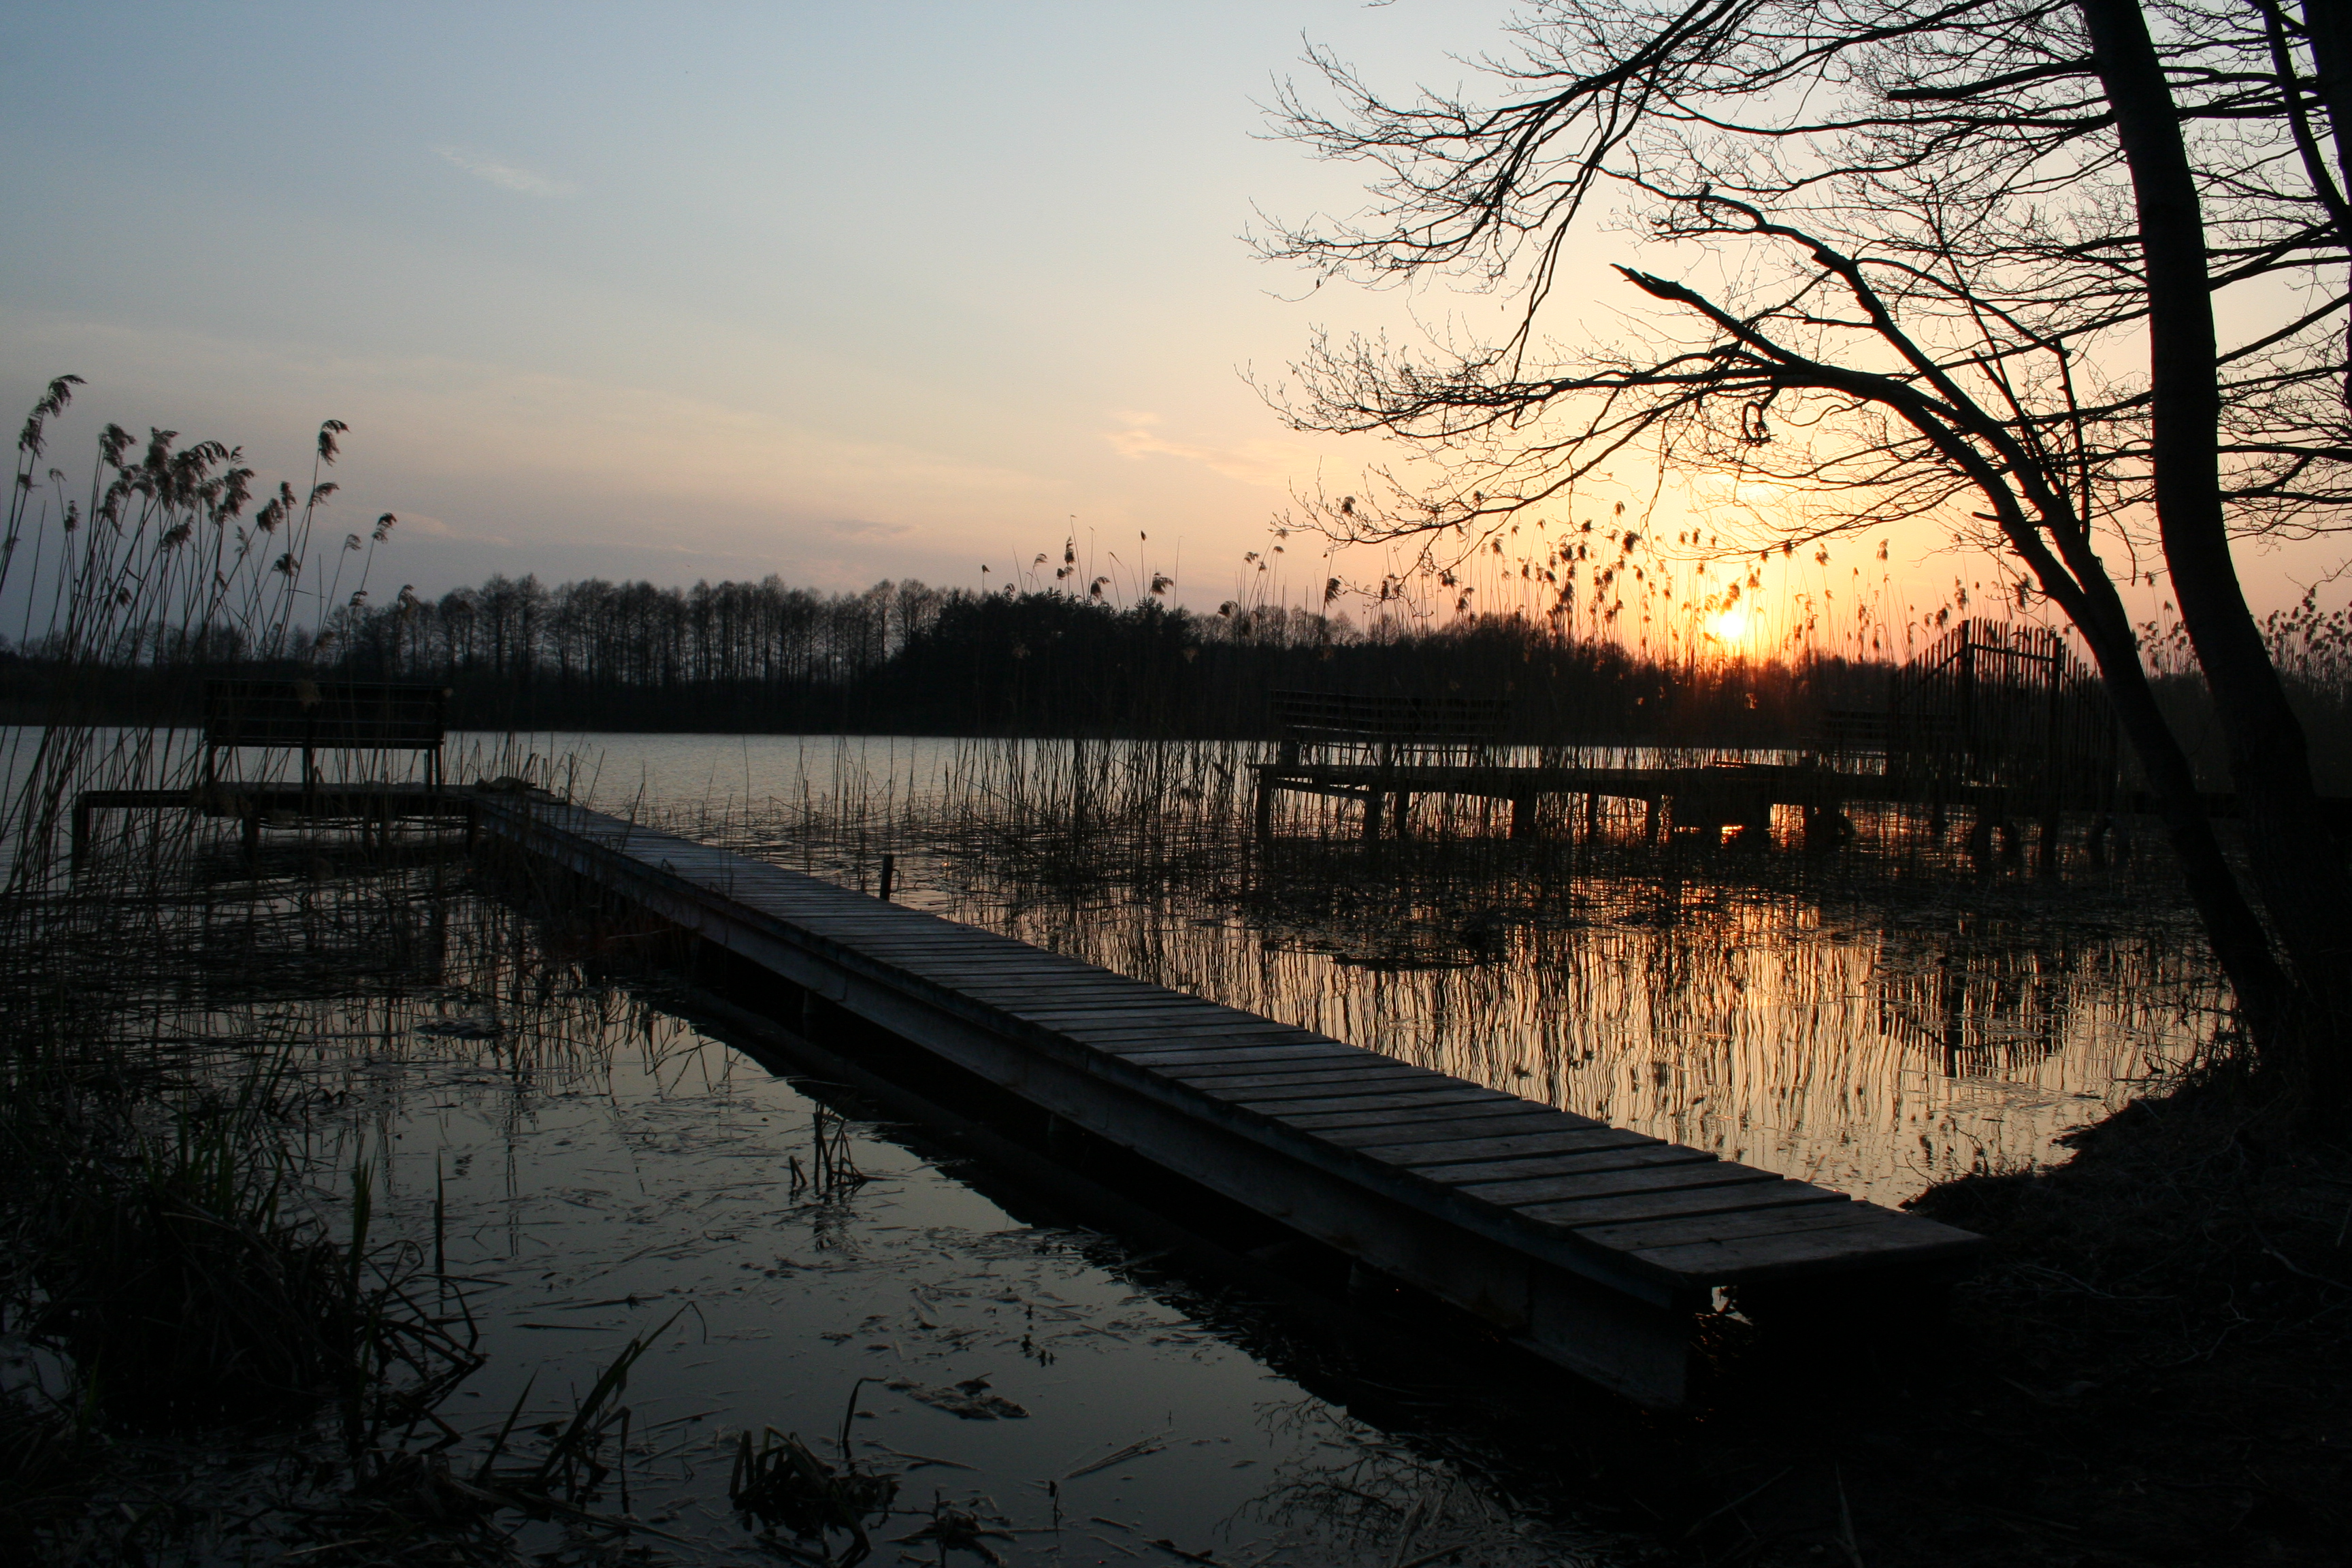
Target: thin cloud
<point x="859" y="527"/>
<point x="1255" y="462"/>
<point x="505" y="176"/>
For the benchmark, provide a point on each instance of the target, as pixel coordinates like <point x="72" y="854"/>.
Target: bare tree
<point x="1963" y="261"/>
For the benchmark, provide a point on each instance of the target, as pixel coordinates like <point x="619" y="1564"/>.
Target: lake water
<point x="606" y="1167"/>
<point x="589" y="1167"/>
<point x="1876" y="1035"/>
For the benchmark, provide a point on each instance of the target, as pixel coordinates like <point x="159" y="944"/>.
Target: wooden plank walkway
<point x="1592" y="1246"/>
<point x="1712" y="794"/>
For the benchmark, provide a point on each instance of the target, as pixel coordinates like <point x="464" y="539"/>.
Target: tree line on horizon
<point x="903" y="656"/>
<point x="908" y="657"/>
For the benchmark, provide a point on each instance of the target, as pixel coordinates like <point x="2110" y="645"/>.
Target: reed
<point x="176" y="1252"/>
<point x="1877" y="1017"/>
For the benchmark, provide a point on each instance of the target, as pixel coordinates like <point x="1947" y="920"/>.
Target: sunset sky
<point x="835" y="292"/>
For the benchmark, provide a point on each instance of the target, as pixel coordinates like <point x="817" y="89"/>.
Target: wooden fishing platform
<point x="1997" y="720"/>
<point x="1593" y="1247"/>
<point x="367" y="805"/>
<point x="302" y="717"/>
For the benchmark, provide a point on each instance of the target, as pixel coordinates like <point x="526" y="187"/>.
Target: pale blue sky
<point x="835" y="292"/>
<point x="677" y="292"/>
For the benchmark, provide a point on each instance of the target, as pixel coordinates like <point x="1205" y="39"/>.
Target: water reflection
<point x="1876" y="1021"/>
<point x="588" y="1167"/>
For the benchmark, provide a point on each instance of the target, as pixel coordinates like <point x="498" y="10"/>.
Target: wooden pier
<point x="371" y="807"/>
<point x="1592" y="1246"/>
<point x="302" y="717"/>
<point x="1996" y="720"/>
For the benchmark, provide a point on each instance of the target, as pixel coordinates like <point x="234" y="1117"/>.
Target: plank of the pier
<point x="1112" y="1008"/>
<point x="1757" y="1199"/>
<point x="1225" y="1078"/>
<point x="1009" y="971"/>
<point x="941" y="943"/>
<point x="1728" y="1248"/>
<point x="1872" y="1238"/>
<point x="1149" y="1040"/>
<point x="1475" y="1148"/>
<point x="1079" y="993"/>
<point x="1154" y="1051"/>
<point x="1539" y="1195"/>
<point x="1133" y="1040"/>
<point x="1246" y="1025"/>
<point x="1600" y="1152"/>
<point x="1078" y="1022"/>
<point x="1344" y="1090"/>
<point x="1386" y="1126"/>
<point x="1077" y="987"/>
<point x="1442" y="1094"/>
<point x="1316" y="1080"/>
<point x="1217" y="1056"/>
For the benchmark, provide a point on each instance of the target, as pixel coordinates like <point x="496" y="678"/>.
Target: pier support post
<point x="1404" y="809"/>
<point x="1826" y="829"/>
<point x="1981" y="839"/>
<point x="1373" y="800"/>
<point x="80" y="831"/>
<point x="1591" y="816"/>
<point x="1265" y="788"/>
<point x="1523" y="816"/>
<point x="1653" y="819"/>
<point x="2050" y="853"/>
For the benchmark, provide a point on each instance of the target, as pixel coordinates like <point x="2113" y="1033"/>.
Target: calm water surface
<point x="1874" y="1036"/>
<point x="608" y="1168"/>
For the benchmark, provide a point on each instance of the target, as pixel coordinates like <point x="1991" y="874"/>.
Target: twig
<point x="1845" y="1519"/>
<point x="1134" y="1450"/>
<point x="1753" y="1492"/>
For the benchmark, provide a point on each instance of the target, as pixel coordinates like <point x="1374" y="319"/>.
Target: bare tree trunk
<point x="2244" y="948"/>
<point x="2328" y="25"/>
<point x="2297" y="866"/>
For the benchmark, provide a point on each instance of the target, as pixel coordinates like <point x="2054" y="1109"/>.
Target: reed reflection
<point x="1876" y="1018"/>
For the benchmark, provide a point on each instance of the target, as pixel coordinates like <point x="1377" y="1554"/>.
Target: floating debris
<point x="968" y="1399"/>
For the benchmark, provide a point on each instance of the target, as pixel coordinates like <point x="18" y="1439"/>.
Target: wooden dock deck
<point x="1704" y="796"/>
<point x="371" y="805"/>
<point x="1593" y="1247"/>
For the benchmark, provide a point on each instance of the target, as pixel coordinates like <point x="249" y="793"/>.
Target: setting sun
<point x="1729" y="624"/>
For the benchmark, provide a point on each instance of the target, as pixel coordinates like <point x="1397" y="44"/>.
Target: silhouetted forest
<point x="907" y="658"/>
<point x="904" y="658"/>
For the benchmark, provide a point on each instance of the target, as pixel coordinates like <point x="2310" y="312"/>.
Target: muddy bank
<point x="2153" y="1368"/>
